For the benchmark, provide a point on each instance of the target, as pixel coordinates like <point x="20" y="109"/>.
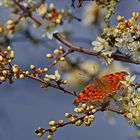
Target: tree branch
<point x="74" y="47"/>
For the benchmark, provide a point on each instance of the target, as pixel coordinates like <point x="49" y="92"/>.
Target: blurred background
<point x="24" y="105"/>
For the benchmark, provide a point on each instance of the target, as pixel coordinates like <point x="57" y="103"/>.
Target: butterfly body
<point x="101" y="88"/>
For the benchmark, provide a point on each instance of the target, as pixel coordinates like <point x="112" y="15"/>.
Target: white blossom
<point x="100" y="44"/>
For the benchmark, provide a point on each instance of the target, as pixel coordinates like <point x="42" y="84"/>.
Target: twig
<point x="47" y="84"/>
<point x="63" y="55"/>
<point x="115" y="111"/>
<point x="27" y="13"/>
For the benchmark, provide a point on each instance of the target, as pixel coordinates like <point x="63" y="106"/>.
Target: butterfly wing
<point x="91" y="92"/>
<point x="101" y="88"/>
<point x="118" y="75"/>
<point x="84" y="95"/>
<point x="114" y="80"/>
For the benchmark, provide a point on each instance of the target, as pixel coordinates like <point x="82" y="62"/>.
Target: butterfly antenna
<point x="94" y="72"/>
<point x="94" y="68"/>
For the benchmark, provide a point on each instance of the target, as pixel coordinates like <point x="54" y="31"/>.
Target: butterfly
<point x="101" y="88"/>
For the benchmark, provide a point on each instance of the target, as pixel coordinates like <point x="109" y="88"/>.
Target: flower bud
<point x="52" y="123"/>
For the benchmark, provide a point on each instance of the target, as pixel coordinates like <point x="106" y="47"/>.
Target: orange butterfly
<point x="101" y="88"/>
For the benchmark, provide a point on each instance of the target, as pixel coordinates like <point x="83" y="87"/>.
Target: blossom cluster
<point x="9" y="70"/>
<point x="129" y="103"/>
<point x="58" y="55"/>
<point x="53" y="127"/>
<point x="44" y="15"/>
<point x="52" y="15"/>
<point x="6" y="57"/>
<point x="122" y="39"/>
<point x="87" y="119"/>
